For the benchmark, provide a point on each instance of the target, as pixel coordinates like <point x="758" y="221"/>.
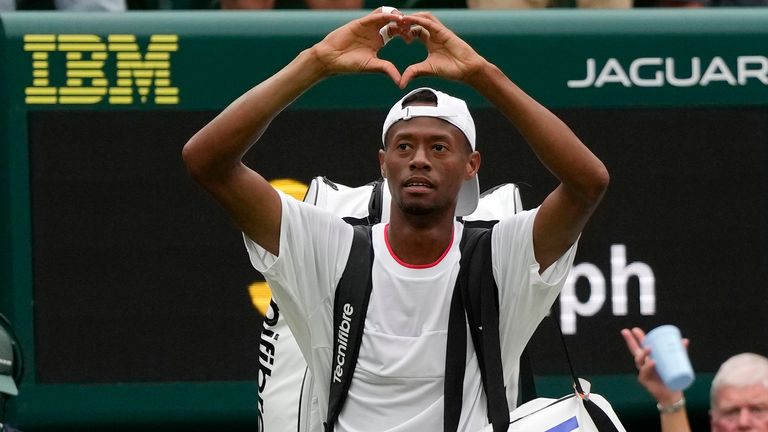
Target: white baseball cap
<point x="454" y="111"/>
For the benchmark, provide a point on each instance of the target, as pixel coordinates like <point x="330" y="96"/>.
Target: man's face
<point x="740" y="409"/>
<point x="426" y="161"/>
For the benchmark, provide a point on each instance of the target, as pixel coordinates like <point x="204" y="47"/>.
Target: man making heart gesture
<point x="429" y="159"/>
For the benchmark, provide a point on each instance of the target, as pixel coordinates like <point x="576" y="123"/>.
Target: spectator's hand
<point x="354" y="47"/>
<point x="448" y="56"/>
<point x="647" y="375"/>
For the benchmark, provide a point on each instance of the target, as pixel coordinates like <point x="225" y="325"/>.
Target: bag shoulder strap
<point x="376" y="203"/>
<point x="349" y="310"/>
<point x="598" y="416"/>
<point x="526" y="382"/>
<point x="475" y="297"/>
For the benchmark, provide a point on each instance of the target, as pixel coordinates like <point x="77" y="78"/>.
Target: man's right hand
<point x="354" y="47"/>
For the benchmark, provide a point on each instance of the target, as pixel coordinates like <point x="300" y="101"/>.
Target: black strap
<point x="376" y="202"/>
<point x="349" y="310"/>
<point x="576" y="383"/>
<point x="598" y="416"/>
<point x="455" y="359"/>
<point x="475" y="297"/>
<point x="526" y="383"/>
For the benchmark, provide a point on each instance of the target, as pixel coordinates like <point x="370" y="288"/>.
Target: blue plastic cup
<point x="671" y="357"/>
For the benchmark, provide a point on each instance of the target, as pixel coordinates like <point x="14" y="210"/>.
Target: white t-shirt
<point x="398" y="382"/>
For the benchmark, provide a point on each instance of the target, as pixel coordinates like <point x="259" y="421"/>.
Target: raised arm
<point x="583" y="177"/>
<point x="214" y="155"/>
<point x="672" y="419"/>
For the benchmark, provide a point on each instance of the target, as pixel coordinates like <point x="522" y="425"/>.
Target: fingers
<point x="386" y="33"/>
<point x="643" y="359"/>
<point x="393" y="27"/>
<point x="634" y="340"/>
<point x="386" y="10"/>
<point x="414" y="71"/>
<point x="427" y="16"/>
<point x="401" y="27"/>
<point x="406" y="32"/>
<point x="381" y="18"/>
<point x="633" y="345"/>
<point x="425" y="20"/>
<point x="419" y="32"/>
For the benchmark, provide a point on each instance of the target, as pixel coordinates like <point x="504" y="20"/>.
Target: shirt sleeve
<point x="525" y="296"/>
<point x="314" y="247"/>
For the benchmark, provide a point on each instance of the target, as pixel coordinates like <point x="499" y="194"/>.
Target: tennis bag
<point x="577" y="412"/>
<point x="286" y="386"/>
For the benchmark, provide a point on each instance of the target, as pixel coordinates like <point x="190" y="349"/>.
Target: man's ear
<point x="473" y="164"/>
<point x="382" y="167"/>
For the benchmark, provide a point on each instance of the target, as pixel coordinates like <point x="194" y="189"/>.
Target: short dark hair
<point x="421" y="97"/>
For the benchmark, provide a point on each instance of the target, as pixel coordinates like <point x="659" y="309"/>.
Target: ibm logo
<point x="86" y="83"/>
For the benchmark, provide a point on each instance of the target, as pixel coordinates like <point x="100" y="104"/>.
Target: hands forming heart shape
<point x="354" y="47"/>
<point x="400" y="28"/>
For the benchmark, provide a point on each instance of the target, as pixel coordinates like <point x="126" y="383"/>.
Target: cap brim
<point x="8" y="386"/>
<point x="469" y="195"/>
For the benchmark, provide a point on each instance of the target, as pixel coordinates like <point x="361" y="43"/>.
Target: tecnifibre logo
<point x="673" y="72"/>
<point x="343" y="338"/>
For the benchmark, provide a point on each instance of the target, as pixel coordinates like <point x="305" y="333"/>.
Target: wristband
<point x="675" y="407"/>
